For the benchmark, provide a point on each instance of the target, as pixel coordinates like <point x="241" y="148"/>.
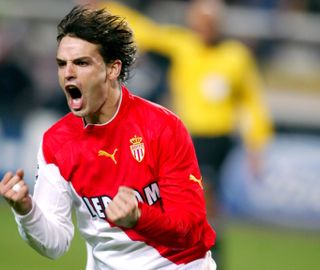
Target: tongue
<point x="76" y="103"/>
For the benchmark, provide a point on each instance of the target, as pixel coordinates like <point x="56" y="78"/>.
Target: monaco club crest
<point x="137" y="148"/>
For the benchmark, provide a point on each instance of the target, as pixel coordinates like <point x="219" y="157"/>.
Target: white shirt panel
<point x="48" y="227"/>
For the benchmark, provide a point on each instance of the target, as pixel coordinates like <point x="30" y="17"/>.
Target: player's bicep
<point x="52" y="192"/>
<point x="180" y="179"/>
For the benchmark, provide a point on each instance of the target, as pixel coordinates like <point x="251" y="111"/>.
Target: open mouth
<point x="76" y="101"/>
<point x="73" y="91"/>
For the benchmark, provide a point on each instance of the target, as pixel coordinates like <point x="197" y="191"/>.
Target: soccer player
<point x="126" y="165"/>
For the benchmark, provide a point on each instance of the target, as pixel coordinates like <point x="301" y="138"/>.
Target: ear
<point x="114" y="70"/>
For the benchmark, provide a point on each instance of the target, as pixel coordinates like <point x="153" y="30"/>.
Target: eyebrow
<point x="82" y="58"/>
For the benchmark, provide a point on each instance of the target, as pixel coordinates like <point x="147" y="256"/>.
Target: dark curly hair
<point x="110" y="32"/>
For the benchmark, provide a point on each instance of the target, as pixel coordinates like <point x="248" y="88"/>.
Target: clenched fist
<point x="16" y="192"/>
<point x="123" y="210"/>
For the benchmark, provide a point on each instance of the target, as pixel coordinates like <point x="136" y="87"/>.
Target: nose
<point x="70" y="71"/>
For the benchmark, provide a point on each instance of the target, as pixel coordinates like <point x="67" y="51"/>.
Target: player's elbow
<point x="60" y="246"/>
<point x="54" y="252"/>
<point x="55" y="244"/>
<point x="49" y="251"/>
<point x="187" y="235"/>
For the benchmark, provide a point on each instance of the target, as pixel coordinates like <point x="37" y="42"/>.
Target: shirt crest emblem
<point x="137" y="148"/>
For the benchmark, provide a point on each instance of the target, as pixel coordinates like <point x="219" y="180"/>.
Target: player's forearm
<point x="23" y="207"/>
<point x="46" y="237"/>
<point x="179" y="229"/>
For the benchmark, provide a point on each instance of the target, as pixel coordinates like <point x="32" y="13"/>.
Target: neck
<point x="108" y="109"/>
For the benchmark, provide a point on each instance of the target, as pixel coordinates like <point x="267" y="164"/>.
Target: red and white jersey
<point x="144" y="147"/>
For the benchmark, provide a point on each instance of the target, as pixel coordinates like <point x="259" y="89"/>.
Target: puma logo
<point x="194" y="179"/>
<point x="106" y="154"/>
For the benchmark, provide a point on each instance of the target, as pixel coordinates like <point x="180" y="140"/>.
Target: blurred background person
<point x="16" y="93"/>
<point x="15" y="83"/>
<point x="27" y="105"/>
<point x="214" y="86"/>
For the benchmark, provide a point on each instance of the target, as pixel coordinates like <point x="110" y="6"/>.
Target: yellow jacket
<point x="215" y="89"/>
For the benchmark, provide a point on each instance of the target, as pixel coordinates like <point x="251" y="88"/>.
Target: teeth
<point x="71" y="87"/>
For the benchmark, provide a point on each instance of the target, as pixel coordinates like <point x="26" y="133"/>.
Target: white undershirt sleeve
<point x="48" y="227"/>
